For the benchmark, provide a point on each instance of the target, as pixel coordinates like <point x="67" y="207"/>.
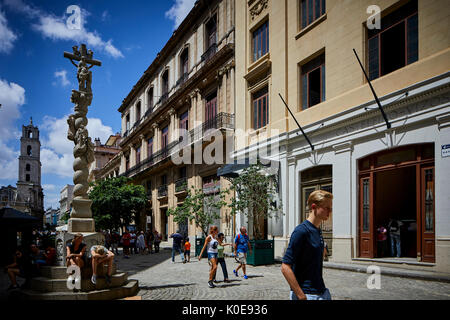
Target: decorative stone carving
<point x="258" y="8"/>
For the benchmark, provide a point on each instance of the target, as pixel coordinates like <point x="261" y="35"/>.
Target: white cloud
<point x="55" y="28"/>
<point x="57" y="150"/>
<point x="9" y="162"/>
<point x="179" y="11"/>
<point x="48" y="187"/>
<point x="12" y="97"/>
<point x="61" y="76"/>
<point x="105" y="16"/>
<point x="7" y="36"/>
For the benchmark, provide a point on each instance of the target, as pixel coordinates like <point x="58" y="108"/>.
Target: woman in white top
<point x="212" y="243"/>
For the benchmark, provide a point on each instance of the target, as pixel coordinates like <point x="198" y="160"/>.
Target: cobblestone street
<point x="159" y="279"/>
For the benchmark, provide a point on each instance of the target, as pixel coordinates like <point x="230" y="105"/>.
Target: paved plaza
<point x="159" y="279"/>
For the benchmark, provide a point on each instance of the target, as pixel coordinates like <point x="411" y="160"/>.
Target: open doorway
<point x="396" y="203"/>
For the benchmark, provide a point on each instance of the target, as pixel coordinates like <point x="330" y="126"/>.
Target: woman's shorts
<point x="212" y="255"/>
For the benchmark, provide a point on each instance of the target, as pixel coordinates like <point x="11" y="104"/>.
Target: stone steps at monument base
<point x="44" y="284"/>
<point x="60" y="272"/>
<point x="129" y="289"/>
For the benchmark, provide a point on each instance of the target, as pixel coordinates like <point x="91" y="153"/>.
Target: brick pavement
<point x="159" y="279"/>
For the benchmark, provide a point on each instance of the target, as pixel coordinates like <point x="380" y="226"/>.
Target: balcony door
<point x="211" y="111"/>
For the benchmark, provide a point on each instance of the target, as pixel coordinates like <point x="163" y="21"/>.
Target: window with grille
<point x="261" y="41"/>
<point x="396" y="44"/>
<point x="260" y="108"/>
<point x="313" y="82"/>
<point x="210" y="110"/>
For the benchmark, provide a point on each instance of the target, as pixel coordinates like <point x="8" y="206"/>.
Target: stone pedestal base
<point x="81" y="225"/>
<point x="89" y="238"/>
<point x="81" y="208"/>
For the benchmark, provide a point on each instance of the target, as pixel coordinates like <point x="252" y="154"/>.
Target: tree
<point x="116" y="202"/>
<point x="198" y="207"/>
<point x="255" y="197"/>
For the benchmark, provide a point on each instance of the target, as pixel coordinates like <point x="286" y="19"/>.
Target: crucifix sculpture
<point x="81" y="216"/>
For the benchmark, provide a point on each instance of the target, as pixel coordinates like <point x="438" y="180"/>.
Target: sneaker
<point x="235" y="272"/>
<point x="108" y="279"/>
<point x="94" y="279"/>
<point x="184" y="261"/>
<point x="245" y="276"/>
<point x="211" y="284"/>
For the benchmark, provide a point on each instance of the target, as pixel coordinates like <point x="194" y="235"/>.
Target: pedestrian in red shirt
<point x="126" y="241"/>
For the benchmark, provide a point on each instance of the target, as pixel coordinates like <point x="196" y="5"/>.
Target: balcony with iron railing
<point x="210" y="52"/>
<point x="220" y="121"/>
<point x="181" y="185"/>
<point x="184" y="77"/>
<point x="162" y="191"/>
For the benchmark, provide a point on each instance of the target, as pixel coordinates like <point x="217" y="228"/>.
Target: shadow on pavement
<point x="137" y="262"/>
<point x="255" y="276"/>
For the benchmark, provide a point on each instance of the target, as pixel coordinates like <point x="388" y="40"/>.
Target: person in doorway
<point x="303" y="261"/>
<point x="211" y="243"/>
<point x="126" y="241"/>
<point x="394" y="228"/>
<point x="241" y="247"/>
<point x="75" y="251"/>
<point x="99" y="255"/>
<point x="176" y="245"/>
<point x="381" y="241"/>
<point x="187" y="250"/>
<point x="221" y="256"/>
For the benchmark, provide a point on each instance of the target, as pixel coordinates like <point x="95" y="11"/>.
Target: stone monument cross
<point x="81" y="216"/>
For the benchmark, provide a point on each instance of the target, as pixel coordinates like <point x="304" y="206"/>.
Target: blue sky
<point x="36" y="81"/>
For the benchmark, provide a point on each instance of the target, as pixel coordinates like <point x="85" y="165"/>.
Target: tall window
<point x="184" y="124"/>
<point x="138" y="111"/>
<point x="396" y="44"/>
<point x="184" y="63"/>
<point x="28" y="167"/>
<point x="261" y="41"/>
<point x="211" y="32"/>
<point x="165" y="83"/>
<point x="150" y="98"/>
<point x="29" y="151"/>
<point x="165" y="137"/>
<point x="127" y="119"/>
<point x="313" y="82"/>
<point x="138" y="155"/>
<point x="210" y="110"/>
<point x="27" y="177"/>
<point x="127" y="163"/>
<point x="260" y="108"/>
<point x="150" y="147"/>
<point x="310" y="10"/>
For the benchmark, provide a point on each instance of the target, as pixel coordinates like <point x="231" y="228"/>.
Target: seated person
<point x="99" y="255"/>
<point x="17" y="268"/>
<point x="38" y="258"/>
<point x="75" y="251"/>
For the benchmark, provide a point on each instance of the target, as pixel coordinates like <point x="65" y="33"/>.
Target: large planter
<point x="263" y="252"/>
<point x="199" y="243"/>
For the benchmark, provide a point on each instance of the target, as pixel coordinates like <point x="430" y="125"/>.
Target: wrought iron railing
<point x="181" y="185"/>
<point x="148" y="112"/>
<point x="212" y="50"/>
<point x="182" y="79"/>
<point x="162" y="191"/>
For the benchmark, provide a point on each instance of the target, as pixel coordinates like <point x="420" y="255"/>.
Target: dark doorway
<point x="164" y="225"/>
<point x="395" y="198"/>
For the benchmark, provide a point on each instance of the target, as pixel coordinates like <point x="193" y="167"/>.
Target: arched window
<point x="184" y="63"/>
<point x="29" y="151"/>
<point x="150" y="99"/>
<point x="165" y="83"/>
<point x="138" y="111"/>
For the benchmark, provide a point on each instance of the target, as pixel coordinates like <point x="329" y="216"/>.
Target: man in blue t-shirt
<point x="303" y="261"/>
<point x="241" y="246"/>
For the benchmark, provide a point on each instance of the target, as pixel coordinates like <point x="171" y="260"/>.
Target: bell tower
<point x="29" y="188"/>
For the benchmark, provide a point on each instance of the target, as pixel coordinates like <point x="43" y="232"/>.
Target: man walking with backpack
<point x="241" y="246"/>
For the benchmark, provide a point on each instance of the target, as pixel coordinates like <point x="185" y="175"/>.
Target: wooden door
<point x="428" y="214"/>
<point x="366" y="237"/>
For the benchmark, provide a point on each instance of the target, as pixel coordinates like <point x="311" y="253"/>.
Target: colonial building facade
<point x="185" y="95"/>
<point x="103" y="154"/>
<point x="377" y="170"/>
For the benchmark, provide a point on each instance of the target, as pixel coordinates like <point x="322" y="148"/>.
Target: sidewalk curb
<point x="419" y="275"/>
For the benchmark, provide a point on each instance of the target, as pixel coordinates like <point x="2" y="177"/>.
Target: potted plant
<point x="200" y="208"/>
<point x="255" y="197"/>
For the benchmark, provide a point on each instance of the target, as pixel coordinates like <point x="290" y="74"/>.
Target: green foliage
<point x="255" y="196"/>
<point x="116" y="202"/>
<point x="198" y="207"/>
<point x="65" y="217"/>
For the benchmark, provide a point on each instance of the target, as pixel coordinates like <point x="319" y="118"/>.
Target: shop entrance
<point x="396" y="204"/>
